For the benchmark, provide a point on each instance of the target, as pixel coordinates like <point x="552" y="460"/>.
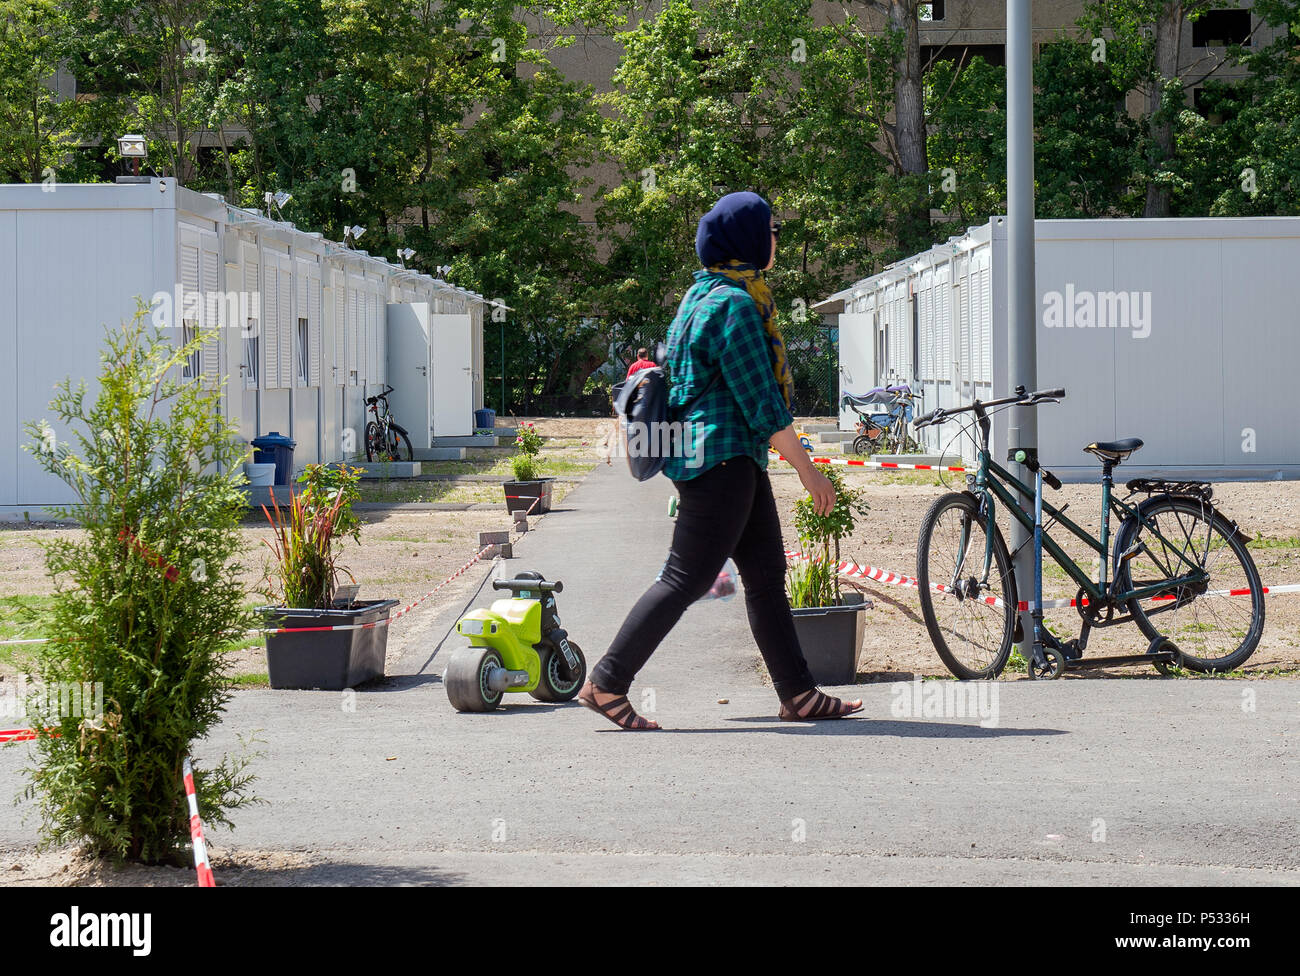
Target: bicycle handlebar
<point x="380" y="396"/>
<point x="940" y="414"/>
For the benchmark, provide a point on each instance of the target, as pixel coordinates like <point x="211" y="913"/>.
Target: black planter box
<point x="520" y="495"/>
<point x="328" y="660"/>
<point x="831" y="639"/>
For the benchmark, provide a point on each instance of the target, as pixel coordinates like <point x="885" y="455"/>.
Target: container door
<point x="453" y="379"/>
<point x="408" y="369"/>
<point x="857" y="359"/>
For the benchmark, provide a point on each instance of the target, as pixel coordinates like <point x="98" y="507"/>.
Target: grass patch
<point x="1284" y="542"/>
<point x="255" y="679"/>
<point x="429" y="491"/>
<point x="22" y="618"/>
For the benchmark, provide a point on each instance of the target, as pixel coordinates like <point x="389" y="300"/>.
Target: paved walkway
<point x="1080" y="782"/>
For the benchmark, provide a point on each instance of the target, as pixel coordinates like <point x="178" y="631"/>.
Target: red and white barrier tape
<point x="856" y="463"/>
<point x="851" y="570"/>
<point x="201" y="863"/>
<point x="17" y="735"/>
<point x="1240" y="591"/>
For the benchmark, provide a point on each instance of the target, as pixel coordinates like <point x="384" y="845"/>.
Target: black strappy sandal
<point x="619" y="711"/>
<point x="827" y="707"/>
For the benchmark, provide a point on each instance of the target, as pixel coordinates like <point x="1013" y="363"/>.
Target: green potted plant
<point x="303" y="584"/>
<point x="528" y="490"/>
<point x="828" y="620"/>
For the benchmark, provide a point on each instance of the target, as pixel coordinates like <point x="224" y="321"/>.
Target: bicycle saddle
<point x="1114" y="451"/>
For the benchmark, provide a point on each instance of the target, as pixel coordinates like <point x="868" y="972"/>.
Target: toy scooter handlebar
<point x="545" y="586"/>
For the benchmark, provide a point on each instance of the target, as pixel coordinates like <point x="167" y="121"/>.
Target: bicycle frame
<point x="991" y="480"/>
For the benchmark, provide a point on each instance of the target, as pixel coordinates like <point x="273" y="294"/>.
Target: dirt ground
<point x="402" y="555"/>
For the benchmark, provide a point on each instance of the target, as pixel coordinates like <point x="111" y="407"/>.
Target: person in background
<point x="642" y="362"/>
<point x="725" y="334"/>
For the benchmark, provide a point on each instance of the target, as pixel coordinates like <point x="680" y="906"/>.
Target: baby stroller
<point x="884" y="414"/>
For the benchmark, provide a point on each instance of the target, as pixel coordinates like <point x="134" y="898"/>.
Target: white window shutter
<point x="381" y="342"/>
<point x="214" y="318"/>
<point x="376" y="372"/>
<point x="340" y="331"/>
<point x="286" y="328"/>
<point x="352" y="337"/>
<point x="313" y="331"/>
<point x="270" y="328"/>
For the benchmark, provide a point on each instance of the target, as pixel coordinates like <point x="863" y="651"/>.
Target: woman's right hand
<point x="819" y="488"/>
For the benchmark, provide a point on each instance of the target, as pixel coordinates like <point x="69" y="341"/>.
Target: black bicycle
<point x="1178" y="567"/>
<point x="386" y="439"/>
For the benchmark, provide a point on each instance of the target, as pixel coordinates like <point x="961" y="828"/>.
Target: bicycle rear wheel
<point x="972" y="620"/>
<point x="1216" y="625"/>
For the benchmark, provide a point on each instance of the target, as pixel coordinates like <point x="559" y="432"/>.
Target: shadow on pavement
<point x="909" y="730"/>
<point x="340" y="874"/>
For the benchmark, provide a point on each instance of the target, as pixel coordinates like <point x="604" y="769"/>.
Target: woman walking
<point x="724" y="348"/>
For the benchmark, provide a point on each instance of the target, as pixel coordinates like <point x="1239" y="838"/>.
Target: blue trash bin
<point x="275" y="448"/>
<point x="485" y="419"/>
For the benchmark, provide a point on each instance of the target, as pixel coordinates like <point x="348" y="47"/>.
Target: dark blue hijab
<point x="738" y="227"/>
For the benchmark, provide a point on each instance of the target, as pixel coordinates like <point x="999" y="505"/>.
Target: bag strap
<point x="686" y="407"/>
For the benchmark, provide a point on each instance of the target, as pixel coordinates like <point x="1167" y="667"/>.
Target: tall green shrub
<point x="145" y="600"/>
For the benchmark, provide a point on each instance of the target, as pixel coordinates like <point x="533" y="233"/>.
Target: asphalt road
<point x="1146" y="782"/>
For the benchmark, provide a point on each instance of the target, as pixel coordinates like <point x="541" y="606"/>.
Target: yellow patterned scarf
<point x="752" y="279"/>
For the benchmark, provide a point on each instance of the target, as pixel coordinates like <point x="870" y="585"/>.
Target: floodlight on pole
<point x="135" y="148"/>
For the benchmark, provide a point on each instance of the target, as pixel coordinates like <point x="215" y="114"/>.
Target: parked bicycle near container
<point x="1178" y="567"/>
<point x="386" y="440"/>
<point x="883" y="417"/>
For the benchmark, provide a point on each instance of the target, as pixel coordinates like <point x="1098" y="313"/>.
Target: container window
<point x="304" y="348"/>
<point x="193" y="361"/>
<point x="250" y="356"/>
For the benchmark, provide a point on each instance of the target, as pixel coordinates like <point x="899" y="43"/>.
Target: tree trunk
<point x="912" y="230"/>
<point x="1169" y="30"/>
<point x="909" y="99"/>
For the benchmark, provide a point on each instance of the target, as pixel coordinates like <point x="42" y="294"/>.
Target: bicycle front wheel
<point x="970" y="614"/>
<point x="374" y="441"/>
<point x="399" y="445"/>
<point x="1215" y="625"/>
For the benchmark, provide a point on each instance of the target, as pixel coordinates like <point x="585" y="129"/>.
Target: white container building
<point x="303" y="324"/>
<point x="1178" y="331"/>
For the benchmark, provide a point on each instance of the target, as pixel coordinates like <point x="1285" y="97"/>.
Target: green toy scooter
<point x="517" y="645"/>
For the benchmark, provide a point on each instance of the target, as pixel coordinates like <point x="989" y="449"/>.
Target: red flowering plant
<point x="529" y="441"/>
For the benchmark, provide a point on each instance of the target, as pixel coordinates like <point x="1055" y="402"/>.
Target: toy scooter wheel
<point x="557" y="683"/>
<point x="1053" y="667"/>
<point x="467" y="679"/>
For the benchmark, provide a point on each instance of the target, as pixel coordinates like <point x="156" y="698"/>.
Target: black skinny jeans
<point x="727" y="511"/>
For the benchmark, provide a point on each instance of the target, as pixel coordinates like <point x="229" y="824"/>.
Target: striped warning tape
<point x="1240" y="591"/>
<point x="857" y="463"/>
<point x="201" y="863"/>
<point x="851" y="570"/>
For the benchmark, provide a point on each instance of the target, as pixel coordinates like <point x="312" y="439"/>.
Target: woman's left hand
<point x="819" y="488"/>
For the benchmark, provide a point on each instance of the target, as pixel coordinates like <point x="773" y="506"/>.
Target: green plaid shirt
<point x="719" y="333"/>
